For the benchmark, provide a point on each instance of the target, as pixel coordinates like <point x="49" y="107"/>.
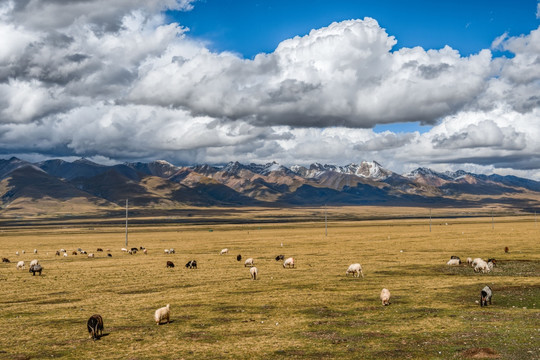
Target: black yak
<point x="95" y="326"/>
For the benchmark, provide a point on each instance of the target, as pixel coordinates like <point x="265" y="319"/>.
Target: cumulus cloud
<point x="116" y="81"/>
<point x="484" y="134"/>
<point x="343" y="75"/>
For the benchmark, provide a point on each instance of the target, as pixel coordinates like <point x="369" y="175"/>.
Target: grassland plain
<point x="312" y="311"/>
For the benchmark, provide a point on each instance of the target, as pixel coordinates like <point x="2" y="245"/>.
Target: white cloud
<point x="115" y="81"/>
<point x="344" y="75"/>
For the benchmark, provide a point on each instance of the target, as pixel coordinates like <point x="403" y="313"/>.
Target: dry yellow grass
<point x="313" y="311"/>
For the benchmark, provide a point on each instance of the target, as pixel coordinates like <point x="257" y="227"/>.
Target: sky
<point x="445" y="85"/>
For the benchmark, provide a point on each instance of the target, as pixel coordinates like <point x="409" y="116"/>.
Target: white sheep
<point x="20" y="265"/>
<point x="254" y="273"/>
<point x="453" y="262"/>
<point x="355" y="269"/>
<point x="482" y="266"/>
<point x="166" y="251"/>
<point x="91" y="255"/>
<point x="63" y="250"/>
<point x="162" y="314"/>
<point x="23" y="251"/>
<point x="224" y="251"/>
<point x="17" y="253"/>
<point x="249" y="262"/>
<point x="145" y="252"/>
<point x="65" y="254"/>
<point x="490" y="266"/>
<point x="171" y="251"/>
<point x="469" y="261"/>
<point x="35" y="251"/>
<point x="124" y="250"/>
<point x="34" y="262"/>
<point x="288" y="262"/>
<point x="475" y="261"/>
<point x="385" y="296"/>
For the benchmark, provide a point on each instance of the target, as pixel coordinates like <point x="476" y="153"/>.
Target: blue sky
<point x="249" y="27"/>
<point x="335" y="82"/>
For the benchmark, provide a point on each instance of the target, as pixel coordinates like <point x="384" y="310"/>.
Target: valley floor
<point x="311" y="311"/>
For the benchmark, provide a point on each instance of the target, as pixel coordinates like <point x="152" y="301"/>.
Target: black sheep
<point x="239" y="257"/>
<point x="170" y="264"/>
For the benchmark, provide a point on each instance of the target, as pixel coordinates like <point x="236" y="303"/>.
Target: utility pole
<point x="126" y="223"/>
<point x="429" y="220"/>
<point x="325" y="222"/>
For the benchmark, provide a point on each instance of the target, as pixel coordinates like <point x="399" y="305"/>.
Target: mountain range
<point x="58" y="186"/>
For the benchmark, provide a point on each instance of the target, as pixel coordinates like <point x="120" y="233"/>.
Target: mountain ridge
<point x="160" y="184"/>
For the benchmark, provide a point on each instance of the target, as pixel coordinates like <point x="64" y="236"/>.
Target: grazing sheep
<point x="455" y="257"/>
<point x="469" y="261"/>
<point x="492" y="260"/>
<point x="166" y="251"/>
<point x="6" y="260"/>
<point x="65" y="254"/>
<point x="63" y="250"/>
<point x="385" y="297"/>
<point x="288" y="263"/>
<point x="109" y="255"/>
<point x="91" y="255"/>
<point x="192" y="264"/>
<point x="99" y="249"/>
<point x="238" y="257"/>
<point x="171" y="251"/>
<point x="142" y="248"/>
<point x="95" y="326"/>
<point x="162" y="314"/>
<point x="35" y="251"/>
<point x="224" y="251"/>
<point x="124" y="250"/>
<point x="108" y="250"/>
<point x="34" y="262"/>
<point x="74" y="253"/>
<point x="280" y="257"/>
<point x="35" y="268"/>
<point x="482" y="266"/>
<point x="57" y="253"/>
<point x="145" y="252"/>
<point x="17" y="253"/>
<point x="355" y="269"/>
<point x="506" y="250"/>
<point x="248" y="262"/>
<point x="485" y="296"/>
<point x="453" y="262"/>
<point x="475" y="261"/>
<point x="23" y="252"/>
<point x="84" y="252"/>
<point x="254" y="273"/>
<point x="134" y="249"/>
<point x="20" y="265"/>
<point x="170" y="264"/>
